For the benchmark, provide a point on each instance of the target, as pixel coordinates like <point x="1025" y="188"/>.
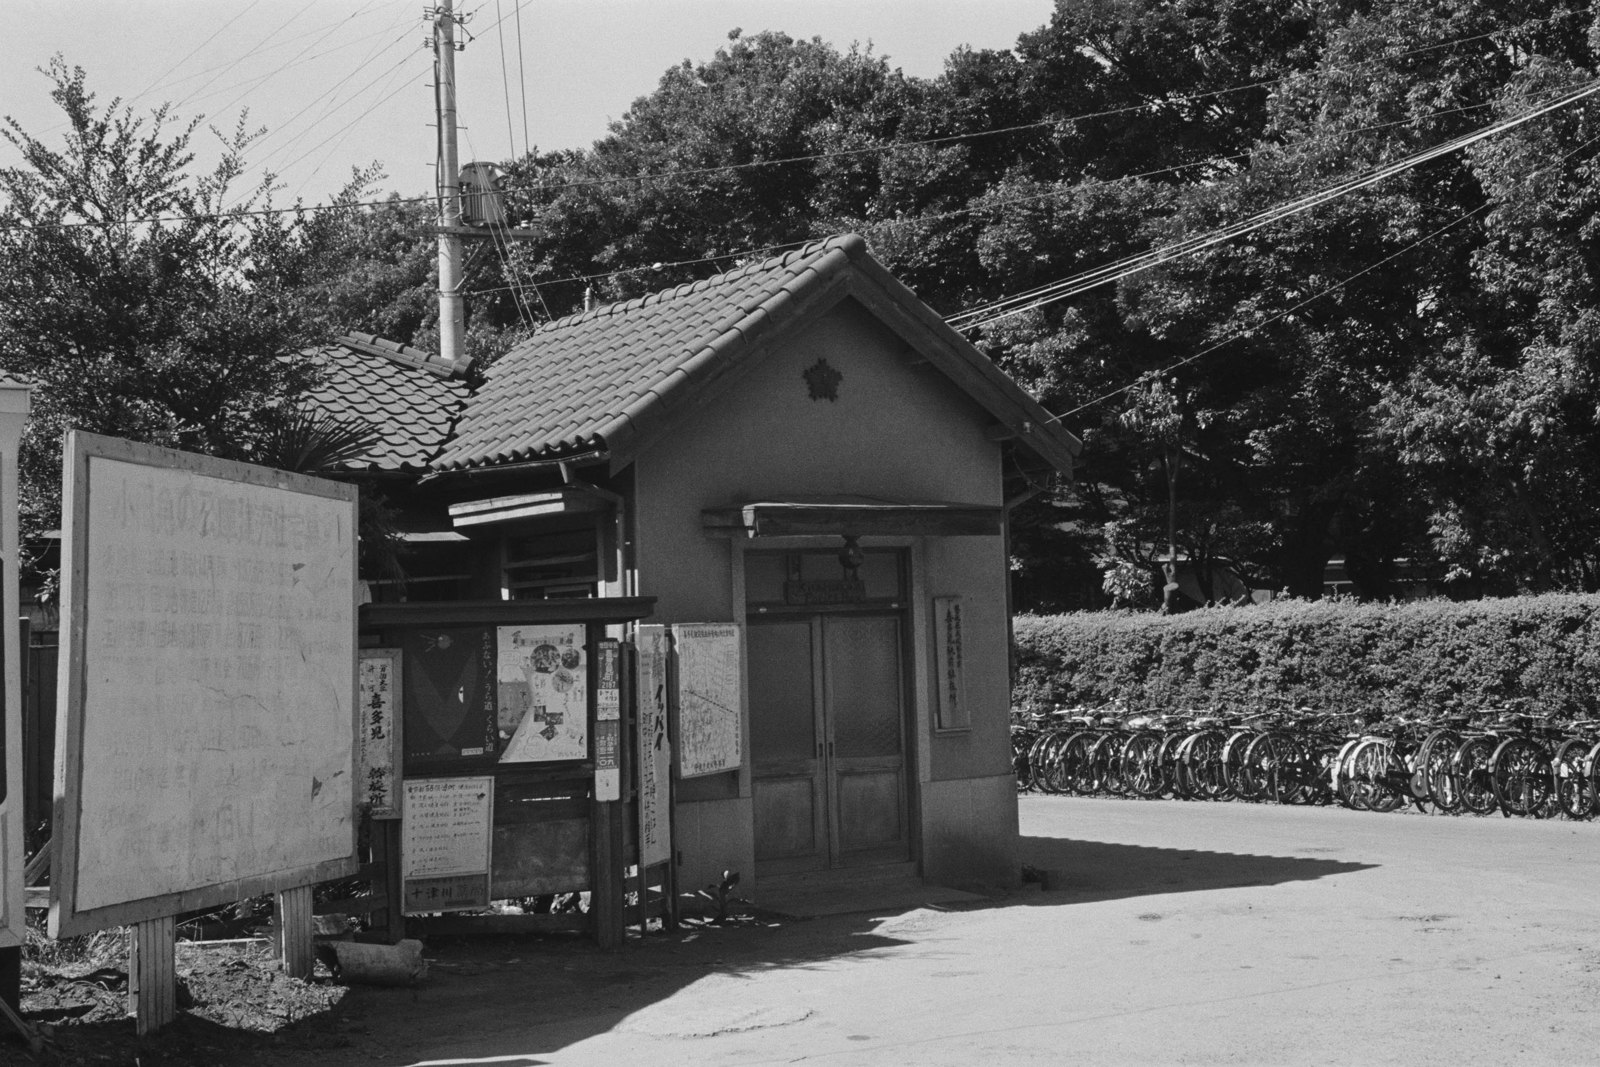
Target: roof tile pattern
<point x="582" y="382"/>
<point x="411" y="398"/>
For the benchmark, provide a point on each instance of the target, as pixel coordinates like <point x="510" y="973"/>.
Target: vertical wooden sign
<point x="655" y="748"/>
<point x="608" y="722"/>
<point x="379" y="771"/>
<point x="949" y="650"/>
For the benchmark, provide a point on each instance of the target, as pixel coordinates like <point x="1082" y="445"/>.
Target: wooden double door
<point x="828" y="741"/>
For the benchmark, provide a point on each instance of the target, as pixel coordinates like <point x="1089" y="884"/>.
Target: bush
<point x="1422" y="658"/>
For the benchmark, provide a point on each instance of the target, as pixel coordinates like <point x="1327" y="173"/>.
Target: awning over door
<point x="853" y="517"/>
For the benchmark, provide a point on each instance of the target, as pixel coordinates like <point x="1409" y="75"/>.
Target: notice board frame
<point x="67" y="915"/>
<point x="385" y="623"/>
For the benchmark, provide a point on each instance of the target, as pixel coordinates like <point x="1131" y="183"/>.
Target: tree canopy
<point x="1404" y="376"/>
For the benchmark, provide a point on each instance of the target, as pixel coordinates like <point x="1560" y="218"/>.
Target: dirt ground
<point x="1170" y="933"/>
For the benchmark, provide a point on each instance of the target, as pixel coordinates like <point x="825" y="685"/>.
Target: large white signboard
<point x="709" y="697"/>
<point x="208" y="729"/>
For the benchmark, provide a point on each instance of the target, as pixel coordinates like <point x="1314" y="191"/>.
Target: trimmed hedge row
<point x="1421" y="658"/>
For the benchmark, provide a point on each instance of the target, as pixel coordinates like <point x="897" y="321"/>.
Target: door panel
<point x="787" y="785"/>
<point x="870" y="810"/>
<point x="827" y="735"/>
<point x="786" y="818"/>
<point x="865" y="720"/>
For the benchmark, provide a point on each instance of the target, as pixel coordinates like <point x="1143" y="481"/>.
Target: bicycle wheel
<point x="1167" y="762"/>
<point x="1041" y="762"/>
<point x="1201" y="767"/>
<point x="1233" y="751"/>
<point x="1077" y="769"/>
<point x="1591" y="769"/>
<point x="1433" y="764"/>
<point x="1575" y="790"/>
<point x="1371" y="766"/>
<point x="1341" y="776"/>
<point x="1141" y="765"/>
<point x="1523" y="784"/>
<point x="1107" y="762"/>
<point x="1274" y="766"/>
<point x="1470" y="769"/>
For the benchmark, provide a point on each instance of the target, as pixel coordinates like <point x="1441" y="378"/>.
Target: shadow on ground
<point x="1085" y="871"/>
<point x="516" y="1001"/>
<point x="519" y="1001"/>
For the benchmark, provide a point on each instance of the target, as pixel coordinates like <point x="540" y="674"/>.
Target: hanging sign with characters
<point x="379" y="772"/>
<point x="543" y="687"/>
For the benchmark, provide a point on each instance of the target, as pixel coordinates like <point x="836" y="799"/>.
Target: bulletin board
<point x="710" y="698"/>
<point x="208" y="729"/>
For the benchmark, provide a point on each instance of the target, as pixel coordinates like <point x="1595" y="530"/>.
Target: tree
<point x="142" y="300"/>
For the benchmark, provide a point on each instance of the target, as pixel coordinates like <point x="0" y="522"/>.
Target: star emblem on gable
<point x="823" y="381"/>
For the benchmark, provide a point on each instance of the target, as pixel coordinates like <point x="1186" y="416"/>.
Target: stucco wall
<point x="897" y="431"/>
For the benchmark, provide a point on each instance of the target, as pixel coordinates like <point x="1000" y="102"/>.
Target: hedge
<point x="1421" y="658"/>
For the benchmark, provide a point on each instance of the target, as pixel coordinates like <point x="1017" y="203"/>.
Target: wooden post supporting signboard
<point x="292" y="933"/>
<point x="153" y="973"/>
<point x="14" y="407"/>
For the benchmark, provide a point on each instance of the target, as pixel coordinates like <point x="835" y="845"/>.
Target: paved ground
<point x="1179" y="933"/>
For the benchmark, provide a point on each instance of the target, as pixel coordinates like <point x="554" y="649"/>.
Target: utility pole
<point x="451" y="318"/>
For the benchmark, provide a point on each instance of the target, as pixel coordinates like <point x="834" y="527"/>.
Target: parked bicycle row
<point x="1516" y="763"/>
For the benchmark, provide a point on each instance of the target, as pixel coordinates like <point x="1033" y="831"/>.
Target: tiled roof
<point x="602" y="380"/>
<point x="411" y="398"/>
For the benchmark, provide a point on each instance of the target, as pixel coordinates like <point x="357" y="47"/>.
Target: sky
<point x="343" y="83"/>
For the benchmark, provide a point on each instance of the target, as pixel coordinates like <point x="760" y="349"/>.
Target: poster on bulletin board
<point x="709" y="698"/>
<point x="448" y="696"/>
<point x="542" y="683"/>
<point x="445" y="844"/>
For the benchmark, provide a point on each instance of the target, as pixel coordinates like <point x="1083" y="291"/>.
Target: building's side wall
<point x="896" y="431"/>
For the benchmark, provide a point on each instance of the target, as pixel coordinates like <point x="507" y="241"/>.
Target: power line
<point x="522" y="77"/>
<point x="1081" y="283"/>
<point x="1286" y="312"/>
<point x="195" y="50"/>
<point x="887" y="147"/>
<point x="505" y="82"/>
<point x="995" y="206"/>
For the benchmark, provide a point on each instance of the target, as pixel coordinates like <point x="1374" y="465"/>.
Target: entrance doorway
<point x="828" y="740"/>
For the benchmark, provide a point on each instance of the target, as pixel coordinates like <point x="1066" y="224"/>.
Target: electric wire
<point x="1021" y="303"/>
<point x="502" y="248"/>
<point x="522" y="78"/>
<point x="1286" y="312"/>
<point x="891" y="146"/>
<point x="505" y="84"/>
<point x="997" y="207"/>
<point x="241" y="13"/>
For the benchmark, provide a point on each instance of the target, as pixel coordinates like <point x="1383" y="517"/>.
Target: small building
<point x="800" y="448"/>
